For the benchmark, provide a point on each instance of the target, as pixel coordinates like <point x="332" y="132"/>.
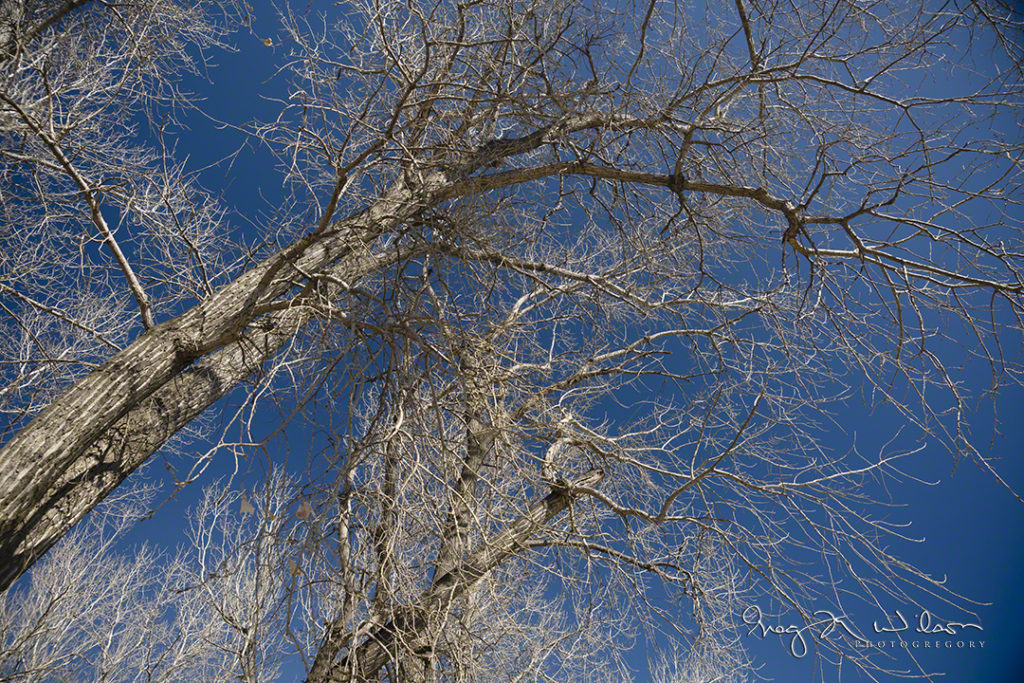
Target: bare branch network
<point x="549" y="335"/>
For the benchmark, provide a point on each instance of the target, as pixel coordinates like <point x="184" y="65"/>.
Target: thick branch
<point x="50" y="507"/>
<point x="45" y="460"/>
<point x="479" y="442"/>
<point x="373" y="653"/>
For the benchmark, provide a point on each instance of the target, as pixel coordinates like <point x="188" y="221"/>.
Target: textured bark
<point x="60" y="465"/>
<point x="479" y="443"/>
<point x="57" y="503"/>
<point x="375" y="651"/>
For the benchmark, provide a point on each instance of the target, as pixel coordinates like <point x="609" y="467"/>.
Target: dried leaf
<point x="293" y="568"/>
<point x="246" y="507"/>
<point x="305" y="510"/>
<point x="268" y="42"/>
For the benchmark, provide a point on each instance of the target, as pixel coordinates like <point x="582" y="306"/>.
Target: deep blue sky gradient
<point x="972" y="528"/>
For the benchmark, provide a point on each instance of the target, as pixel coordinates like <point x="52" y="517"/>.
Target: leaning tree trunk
<point x="89" y="439"/>
<point x="80" y="447"/>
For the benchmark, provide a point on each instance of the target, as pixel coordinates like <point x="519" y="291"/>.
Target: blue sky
<point x="972" y="529"/>
<point x="972" y="532"/>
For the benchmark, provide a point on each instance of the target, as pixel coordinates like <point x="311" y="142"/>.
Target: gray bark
<point x="52" y="480"/>
<point x="60" y="465"/>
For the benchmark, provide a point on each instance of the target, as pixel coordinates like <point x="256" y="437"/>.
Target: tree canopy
<point x="545" y="342"/>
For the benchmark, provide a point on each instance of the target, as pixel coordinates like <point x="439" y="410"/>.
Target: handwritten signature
<point x="926" y="625"/>
<point x="826" y="623"/>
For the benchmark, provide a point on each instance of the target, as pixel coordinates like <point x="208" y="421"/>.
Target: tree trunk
<point x="60" y="465"/>
<point x="368" y="658"/>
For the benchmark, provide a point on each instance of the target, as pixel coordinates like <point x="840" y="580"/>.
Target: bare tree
<point x="561" y="297"/>
<point x="95" y="613"/>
